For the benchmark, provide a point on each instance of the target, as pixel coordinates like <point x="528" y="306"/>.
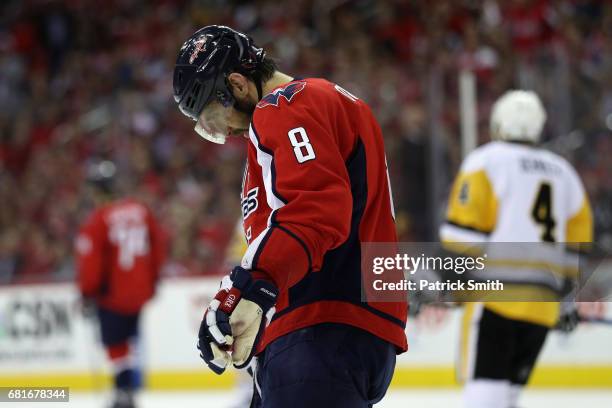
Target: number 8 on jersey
<point x="301" y="145"/>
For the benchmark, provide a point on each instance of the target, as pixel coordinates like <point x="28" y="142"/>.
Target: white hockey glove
<point x="235" y="320"/>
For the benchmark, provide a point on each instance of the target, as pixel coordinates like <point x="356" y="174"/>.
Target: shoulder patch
<point x="287" y="92"/>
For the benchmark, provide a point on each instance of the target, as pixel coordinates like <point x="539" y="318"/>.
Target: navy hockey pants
<point x="117" y="327"/>
<point x="324" y="366"/>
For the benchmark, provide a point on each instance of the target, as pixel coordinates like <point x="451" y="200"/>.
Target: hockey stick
<point x="95" y="363"/>
<point x="597" y="320"/>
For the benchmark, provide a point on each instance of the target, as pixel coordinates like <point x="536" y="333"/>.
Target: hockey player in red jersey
<point x="315" y="187"/>
<point x="119" y="253"/>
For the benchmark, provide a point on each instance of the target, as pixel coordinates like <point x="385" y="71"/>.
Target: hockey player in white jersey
<point x="510" y="190"/>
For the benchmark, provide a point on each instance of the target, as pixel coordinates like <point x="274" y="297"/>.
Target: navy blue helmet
<point x="203" y="63"/>
<point x="101" y="174"/>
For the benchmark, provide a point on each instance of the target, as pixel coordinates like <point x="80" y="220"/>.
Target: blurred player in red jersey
<point x="119" y="255"/>
<point x="315" y="187"/>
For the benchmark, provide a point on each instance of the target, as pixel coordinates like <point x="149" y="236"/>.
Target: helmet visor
<point x="212" y="124"/>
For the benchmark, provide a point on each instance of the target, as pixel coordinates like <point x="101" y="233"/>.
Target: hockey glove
<point x="569" y="318"/>
<point x="88" y="308"/>
<point x="235" y="320"/>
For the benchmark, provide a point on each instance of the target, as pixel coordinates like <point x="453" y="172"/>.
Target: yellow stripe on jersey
<point x="472" y="202"/>
<point x="542" y="313"/>
<point x="580" y="225"/>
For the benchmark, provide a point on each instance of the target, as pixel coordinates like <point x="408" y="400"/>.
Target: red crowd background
<point x="80" y="81"/>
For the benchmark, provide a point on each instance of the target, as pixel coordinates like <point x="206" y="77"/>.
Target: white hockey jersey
<point x="518" y="193"/>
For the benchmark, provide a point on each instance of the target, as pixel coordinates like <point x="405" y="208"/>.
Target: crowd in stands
<point x="80" y="81"/>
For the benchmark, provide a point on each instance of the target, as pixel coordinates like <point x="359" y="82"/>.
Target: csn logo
<point x="35" y="319"/>
<point x="249" y="203"/>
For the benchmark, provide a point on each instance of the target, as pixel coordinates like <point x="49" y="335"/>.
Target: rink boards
<point x="45" y="340"/>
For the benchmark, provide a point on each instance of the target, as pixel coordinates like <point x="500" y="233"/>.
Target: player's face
<point x="238" y="123"/>
<point x="216" y="122"/>
<point x="245" y="100"/>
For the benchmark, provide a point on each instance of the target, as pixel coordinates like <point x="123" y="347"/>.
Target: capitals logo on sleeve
<point x="249" y="203"/>
<point x="288" y="92"/>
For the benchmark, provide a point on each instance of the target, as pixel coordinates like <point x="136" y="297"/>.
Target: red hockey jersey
<point x="119" y="253"/>
<point x="315" y="186"/>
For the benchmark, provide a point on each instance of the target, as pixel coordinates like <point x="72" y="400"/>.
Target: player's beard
<point x="245" y="107"/>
